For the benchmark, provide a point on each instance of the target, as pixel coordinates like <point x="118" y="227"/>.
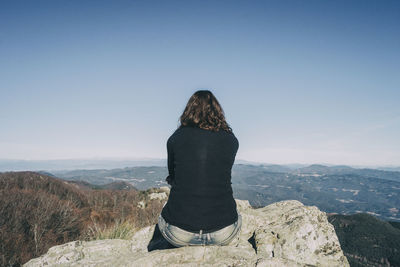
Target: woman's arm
<point x="170" y="160"/>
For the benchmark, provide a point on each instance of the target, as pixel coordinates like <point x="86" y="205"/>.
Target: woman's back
<point x="200" y="163"/>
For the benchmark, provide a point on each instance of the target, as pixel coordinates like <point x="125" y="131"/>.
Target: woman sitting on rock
<point x="201" y="209"/>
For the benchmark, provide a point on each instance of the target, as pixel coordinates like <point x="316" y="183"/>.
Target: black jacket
<point x="199" y="165"/>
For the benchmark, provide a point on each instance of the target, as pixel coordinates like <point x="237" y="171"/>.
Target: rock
<point x="165" y="189"/>
<point x="285" y="233"/>
<point x="141" y="205"/>
<point x="160" y="196"/>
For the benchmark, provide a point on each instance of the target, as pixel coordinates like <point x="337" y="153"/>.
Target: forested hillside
<point x="38" y="211"/>
<point x="367" y="241"/>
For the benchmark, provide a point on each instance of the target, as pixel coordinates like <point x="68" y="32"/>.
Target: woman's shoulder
<point x="177" y="133"/>
<point x="233" y="138"/>
<point x="191" y="131"/>
<point x="195" y="134"/>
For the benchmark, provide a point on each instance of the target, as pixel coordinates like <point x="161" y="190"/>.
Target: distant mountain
<point x="63" y="166"/>
<point x="317" y="169"/>
<point x="322" y="169"/>
<point x="73" y="164"/>
<point x="46" y="173"/>
<point x="277" y="168"/>
<point x="339" y="189"/>
<point x="339" y="193"/>
<point x="366" y="240"/>
<point x="141" y="178"/>
<point x="392" y="169"/>
<point x="119" y="185"/>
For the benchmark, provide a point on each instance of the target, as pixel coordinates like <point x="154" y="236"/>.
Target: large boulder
<point x="285" y="233"/>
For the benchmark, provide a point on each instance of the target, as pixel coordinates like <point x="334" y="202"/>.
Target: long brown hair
<point x="204" y="111"/>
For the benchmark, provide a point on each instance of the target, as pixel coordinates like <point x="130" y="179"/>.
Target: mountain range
<point x="39" y="210"/>
<point x="333" y="189"/>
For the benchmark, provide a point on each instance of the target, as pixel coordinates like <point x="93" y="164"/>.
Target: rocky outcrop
<point x="285" y="233"/>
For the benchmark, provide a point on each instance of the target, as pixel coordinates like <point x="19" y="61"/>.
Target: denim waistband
<point x="205" y="231"/>
<point x="216" y="230"/>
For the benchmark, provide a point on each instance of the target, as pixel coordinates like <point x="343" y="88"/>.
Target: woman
<point x="201" y="209"/>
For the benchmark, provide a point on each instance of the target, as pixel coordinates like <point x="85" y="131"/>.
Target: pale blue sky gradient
<point x="300" y="81"/>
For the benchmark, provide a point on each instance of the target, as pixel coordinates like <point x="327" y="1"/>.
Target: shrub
<point x="118" y="230"/>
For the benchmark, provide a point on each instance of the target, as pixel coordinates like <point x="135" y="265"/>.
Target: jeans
<point x="179" y="237"/>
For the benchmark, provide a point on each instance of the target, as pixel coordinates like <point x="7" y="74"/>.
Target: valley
<point x="337" y="190"/>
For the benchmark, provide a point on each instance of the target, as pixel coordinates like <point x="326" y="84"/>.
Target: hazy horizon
<point x="163" y="161"/>
<point x="305" y="82"/>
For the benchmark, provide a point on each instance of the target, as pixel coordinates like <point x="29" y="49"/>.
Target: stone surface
<point x="285" y="233"/>
<point x="160" y="196"/>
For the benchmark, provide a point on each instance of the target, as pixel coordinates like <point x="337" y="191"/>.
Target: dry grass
<point x="118" y="230"/>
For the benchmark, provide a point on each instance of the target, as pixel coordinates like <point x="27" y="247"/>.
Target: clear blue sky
<point x="300" y="81"/>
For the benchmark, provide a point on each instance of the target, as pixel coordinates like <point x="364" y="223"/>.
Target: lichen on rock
<point x="285" y="233"/>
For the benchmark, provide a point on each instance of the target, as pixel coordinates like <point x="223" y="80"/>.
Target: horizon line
<point x="250" y="162"/>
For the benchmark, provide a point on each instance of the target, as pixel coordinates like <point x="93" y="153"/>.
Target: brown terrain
<point x="38" y="211"/>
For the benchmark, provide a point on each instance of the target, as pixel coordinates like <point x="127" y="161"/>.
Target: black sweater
<point x="199" y="165"/>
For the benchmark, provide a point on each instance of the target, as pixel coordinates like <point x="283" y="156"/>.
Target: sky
<point x="299" y="81"/>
